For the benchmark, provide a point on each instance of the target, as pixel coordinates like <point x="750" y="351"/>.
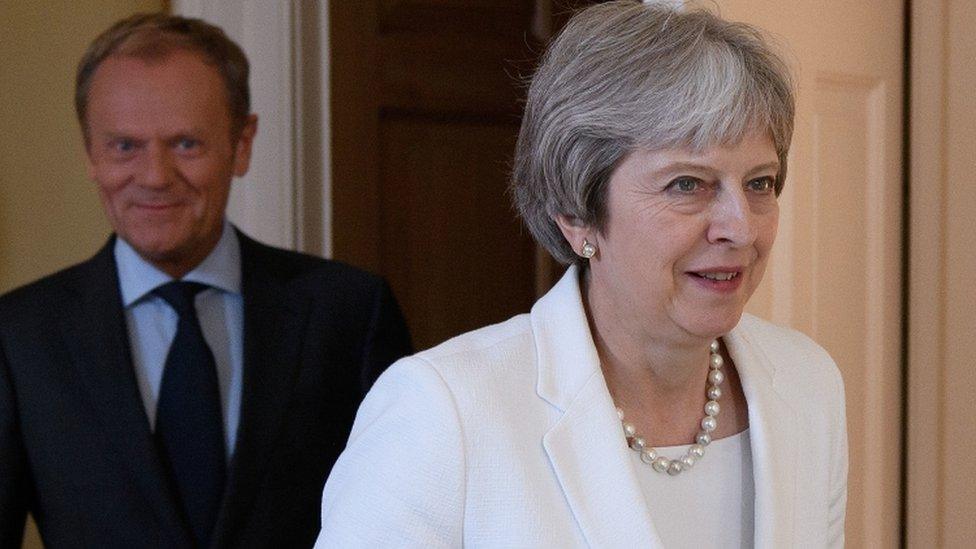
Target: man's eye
<point x="762" y="185"/>
<point x="123" y="145"/>
<point x="187" y="144"/>
<point x="685" y="184"/>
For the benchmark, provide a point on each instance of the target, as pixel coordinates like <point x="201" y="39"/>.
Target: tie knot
<point x="179" y="295"/>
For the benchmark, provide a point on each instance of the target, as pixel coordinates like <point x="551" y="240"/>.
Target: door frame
<point x="925" y="263"/>
<point x="285" y="199"/>
<point x="934" y="371"/>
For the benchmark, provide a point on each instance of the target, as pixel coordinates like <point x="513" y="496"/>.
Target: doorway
<point x="426" y="102"/>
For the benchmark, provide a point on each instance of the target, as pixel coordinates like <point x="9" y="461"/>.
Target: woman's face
<point x="686" y="240"/>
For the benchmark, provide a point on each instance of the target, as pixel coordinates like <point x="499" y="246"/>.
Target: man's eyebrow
<point x="196" y="133"/>
<point x="115" y="136"/>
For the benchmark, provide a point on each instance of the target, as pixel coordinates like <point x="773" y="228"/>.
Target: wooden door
<point x="836" y="269"/>
<point x="426" y="105"/>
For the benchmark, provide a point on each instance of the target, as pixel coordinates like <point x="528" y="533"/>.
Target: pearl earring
<point x="588" y="250"/>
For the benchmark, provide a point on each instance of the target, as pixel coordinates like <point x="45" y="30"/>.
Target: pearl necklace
<point x="709" y="423"/>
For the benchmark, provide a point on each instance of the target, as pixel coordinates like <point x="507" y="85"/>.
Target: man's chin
<point x="160" y="252"/>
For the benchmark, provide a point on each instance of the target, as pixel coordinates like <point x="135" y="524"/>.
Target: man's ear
<point x="89" y="165"/>
<point x="242" y="149"/>
<point x="575" y="231"/>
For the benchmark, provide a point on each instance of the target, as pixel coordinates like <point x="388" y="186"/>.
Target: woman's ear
<point x="575" y="231"/>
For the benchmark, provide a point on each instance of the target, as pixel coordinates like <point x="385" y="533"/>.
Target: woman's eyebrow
<point x="682" y="165"/>
<point x="764" y="167"/>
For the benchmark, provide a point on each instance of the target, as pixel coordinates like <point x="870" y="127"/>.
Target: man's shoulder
<point x="303" y="271"/>
<point x="35" y="297"/>
<point x="347" y="303"/>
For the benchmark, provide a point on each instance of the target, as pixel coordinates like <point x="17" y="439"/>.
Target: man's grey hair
<point x="623" y="76"/>
<point x="153" y="37"/>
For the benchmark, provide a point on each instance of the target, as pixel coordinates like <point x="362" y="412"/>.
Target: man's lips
<point x="155" y="206"/>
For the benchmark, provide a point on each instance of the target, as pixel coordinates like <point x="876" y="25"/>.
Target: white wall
<point x="284" y="199"/>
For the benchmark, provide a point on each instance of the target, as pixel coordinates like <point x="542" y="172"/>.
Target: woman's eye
<point x="762" y="185"/>
<point x="685" y="184"/>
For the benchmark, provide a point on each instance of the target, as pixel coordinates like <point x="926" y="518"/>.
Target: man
<point x="187" y="386"/>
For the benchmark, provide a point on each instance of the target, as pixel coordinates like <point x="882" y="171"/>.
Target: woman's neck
<point x="658" y="379"/>
<point x="672" y="358"/>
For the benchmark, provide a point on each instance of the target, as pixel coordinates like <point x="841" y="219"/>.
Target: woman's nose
<point x="732" y="220"/>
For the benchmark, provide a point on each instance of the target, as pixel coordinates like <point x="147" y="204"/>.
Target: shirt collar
<point x="221" y="269"/>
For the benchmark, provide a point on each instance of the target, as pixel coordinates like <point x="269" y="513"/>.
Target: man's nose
<point x="732" y="219"/>
<point x="157" y="169"/>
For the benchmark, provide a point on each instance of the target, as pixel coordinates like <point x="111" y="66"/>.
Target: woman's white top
<point x="508" y="437"/>
<point x="711" y="505"/>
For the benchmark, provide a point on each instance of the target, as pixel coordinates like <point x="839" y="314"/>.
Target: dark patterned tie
<point x="189" y="424"/>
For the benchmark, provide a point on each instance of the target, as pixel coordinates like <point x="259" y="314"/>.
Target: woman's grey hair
<point x="623" y="76"/>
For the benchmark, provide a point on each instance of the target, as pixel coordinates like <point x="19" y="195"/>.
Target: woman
<point x="636" y="405"/>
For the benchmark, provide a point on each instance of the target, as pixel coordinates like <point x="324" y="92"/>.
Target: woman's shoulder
<point x="454" y="383"/>
<point x="486" y="340"/>
<point x="789" y="351"/>
<point x="487" y="357"/>
<point x="779" y="340"/>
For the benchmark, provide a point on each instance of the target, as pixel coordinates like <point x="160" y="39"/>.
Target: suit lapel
<point x="97" y="339"/>
<point x="274" y="324"/>
<point x="772" y="426"/>
<point x="586" y="445"/>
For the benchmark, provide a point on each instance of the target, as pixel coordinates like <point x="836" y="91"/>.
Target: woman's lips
<point x="720" y="279"/>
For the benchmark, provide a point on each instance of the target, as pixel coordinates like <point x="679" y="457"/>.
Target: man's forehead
<point x="175" y="94"/>
<point x="158" y="59"/>
<point x="183" y="74"/>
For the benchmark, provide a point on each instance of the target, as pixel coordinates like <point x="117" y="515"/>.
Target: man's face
<point x="161" y="151"/>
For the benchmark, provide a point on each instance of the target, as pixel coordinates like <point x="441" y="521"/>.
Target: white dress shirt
<point x="152" y="323"/>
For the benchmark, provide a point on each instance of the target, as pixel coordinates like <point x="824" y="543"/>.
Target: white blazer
<point x="507" y="437"/>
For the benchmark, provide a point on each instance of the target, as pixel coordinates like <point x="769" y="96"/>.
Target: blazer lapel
<point x="97" y="339"/>
<point x="586" y="445"/>
<point x="588" y="453"/>
<point x="274" y="325"/>
<point x="772" y="426"/>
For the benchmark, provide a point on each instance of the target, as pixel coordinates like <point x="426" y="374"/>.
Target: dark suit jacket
<point x="75" y="444"/>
